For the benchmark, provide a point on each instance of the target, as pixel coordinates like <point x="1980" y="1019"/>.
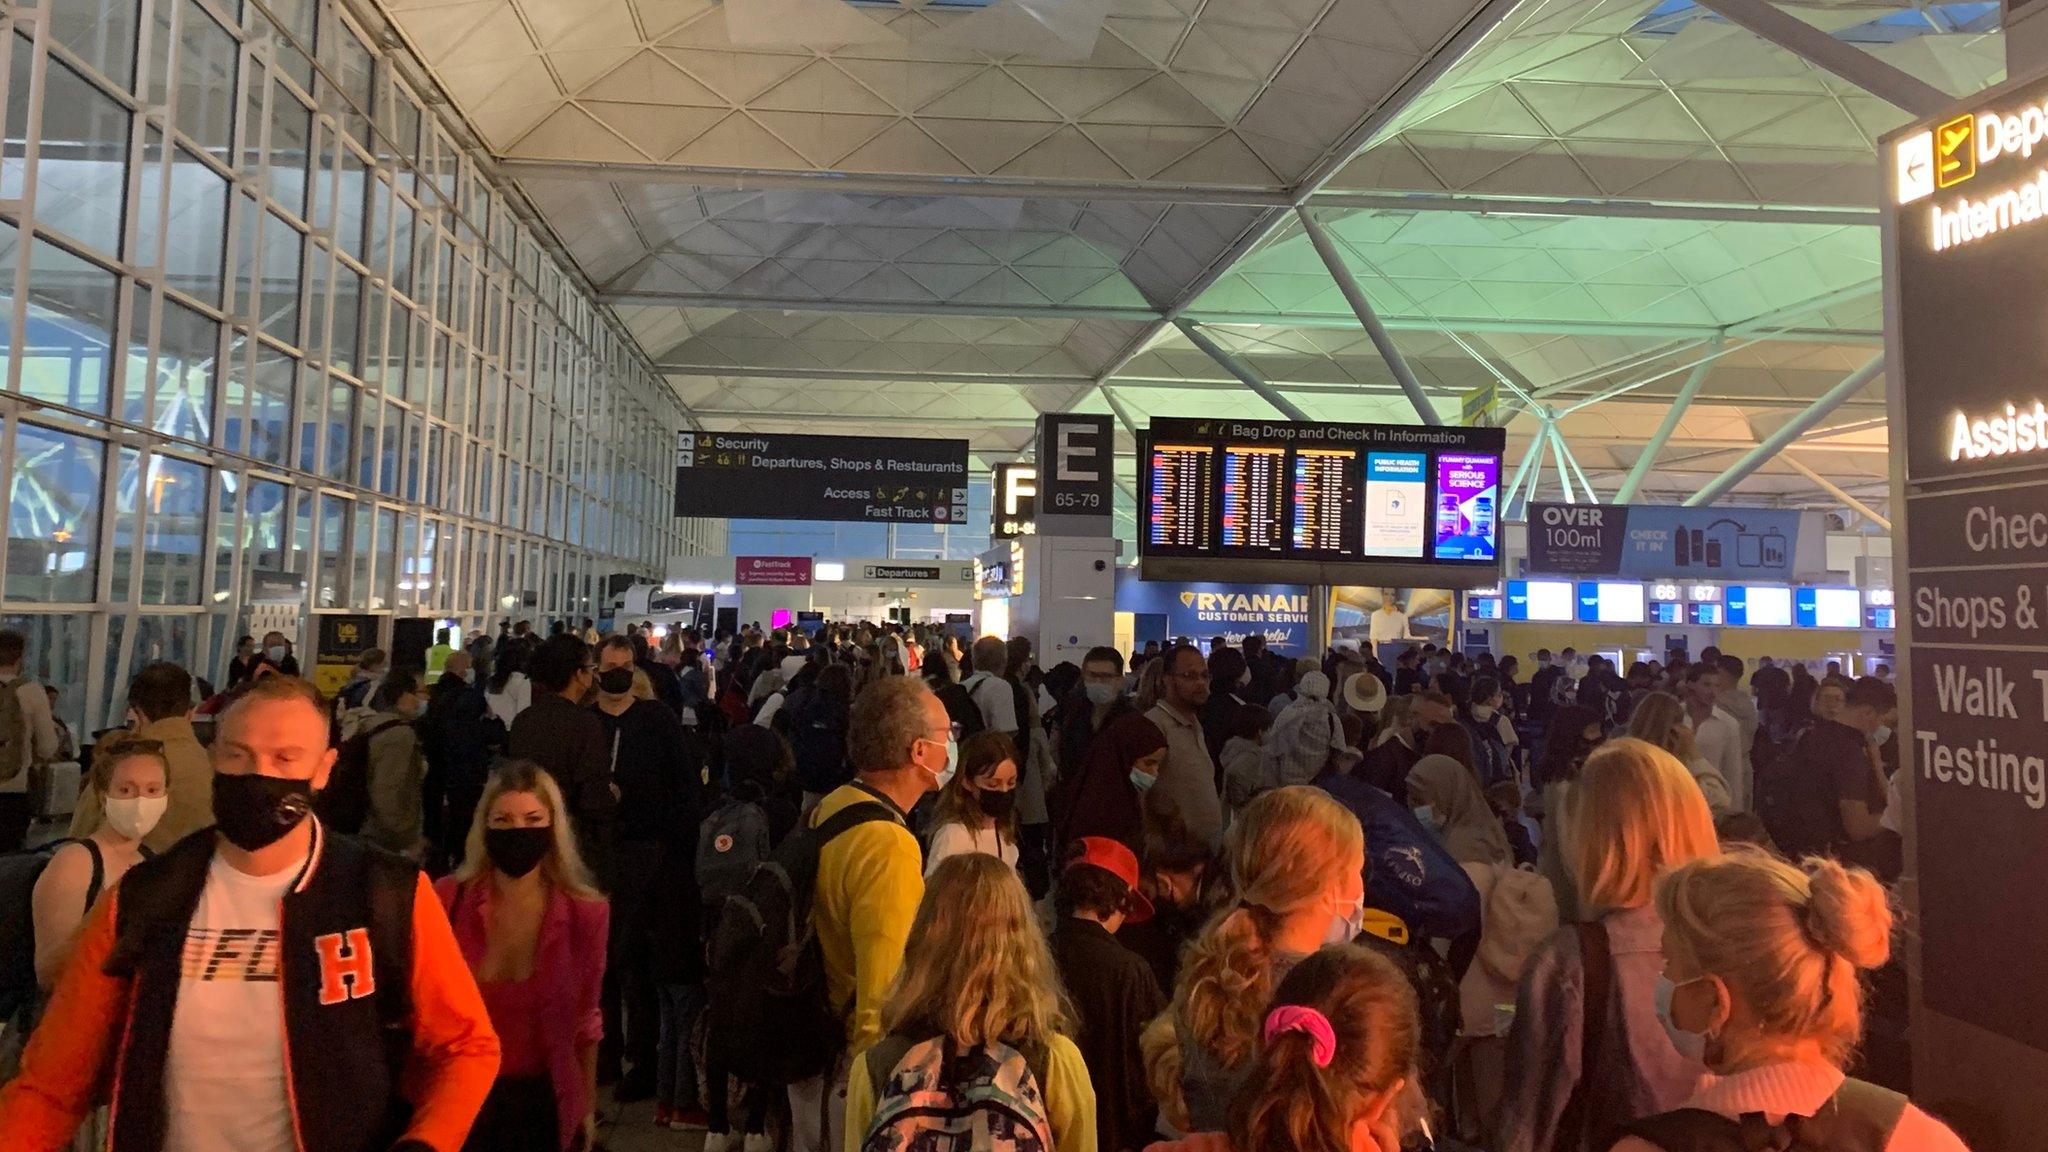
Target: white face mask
<point x="1346" y="925"/>
<point x="1482" y="712"/>
<point x="133" y="817"/>
<point x="1880" y="734"/>
<point x="1691" y="1045"/>
<point x="1101" y="693"/>
<point x="945" y="775"/>
<point x="276" y="652"/>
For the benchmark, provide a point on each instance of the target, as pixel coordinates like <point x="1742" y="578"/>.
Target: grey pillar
<point x="1238" y="368"/>
<point x="1354" y="293"/>
<point x="1679" y="404"/>
<point x="1793" y="429"/>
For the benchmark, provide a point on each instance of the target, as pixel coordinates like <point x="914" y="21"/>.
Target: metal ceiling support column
<point x="1838" y="57"/>
<point x="1535" y="472"/>
<point x="1123" y="416"/>
<point x="1578" y="470"/>
<point x="1679" y="404"/>
<point x="1792" y="430"/>
<point x="1354" y="294"/>
<point x="1521" y="473"/>
<point x="1836" y="490"/>
<point x="1239" y="369"/>
<point x="1564" y="476"/>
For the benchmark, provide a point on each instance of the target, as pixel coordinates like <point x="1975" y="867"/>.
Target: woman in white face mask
<point x="130" y="773"/>
<point x="1761" y="963"/>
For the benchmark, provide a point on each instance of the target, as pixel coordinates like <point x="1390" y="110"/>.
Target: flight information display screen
<point x="1254" y="498"/>
<point x="1179" y="497"/>
<point x="1324" y="502"/>
<point x="1408" y="496"/>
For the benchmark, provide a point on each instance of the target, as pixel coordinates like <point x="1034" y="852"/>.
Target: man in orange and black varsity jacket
<point x="264" y="985"/>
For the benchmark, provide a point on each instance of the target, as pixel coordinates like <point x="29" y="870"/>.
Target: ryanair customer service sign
<point x="1966" y="365"/>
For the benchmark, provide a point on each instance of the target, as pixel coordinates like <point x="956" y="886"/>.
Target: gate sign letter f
<point x="345" y="968"/>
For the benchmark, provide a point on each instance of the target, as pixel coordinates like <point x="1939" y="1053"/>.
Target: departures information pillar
<point x="1966" y="370"/>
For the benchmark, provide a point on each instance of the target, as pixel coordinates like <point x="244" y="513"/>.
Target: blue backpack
<point x="1408" y="871"/>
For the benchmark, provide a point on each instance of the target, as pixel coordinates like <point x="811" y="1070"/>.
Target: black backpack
<point x="344" y="805"/>
<point x="1860" y="1118"/>
<point x="19" y="872"/>
<point x="1796" y="800"/>
<point x="961" y="709"/>
<point x="769" y="1011"/>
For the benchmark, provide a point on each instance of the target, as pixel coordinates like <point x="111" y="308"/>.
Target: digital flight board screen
<point x="1341" y="497"/>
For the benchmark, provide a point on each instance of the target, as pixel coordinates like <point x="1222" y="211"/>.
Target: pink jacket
<point x="570" y="958"/>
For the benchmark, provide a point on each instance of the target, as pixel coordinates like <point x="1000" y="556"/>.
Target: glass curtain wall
<point x="263" y="316"/>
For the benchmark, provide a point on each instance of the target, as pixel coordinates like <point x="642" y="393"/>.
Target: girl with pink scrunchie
<point x="1335" y="1066"/>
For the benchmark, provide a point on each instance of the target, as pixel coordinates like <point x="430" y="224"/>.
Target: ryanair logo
<point x="1220" y="603"/>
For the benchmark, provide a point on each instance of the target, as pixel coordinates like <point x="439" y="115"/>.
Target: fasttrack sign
<point x="1966" y="297"/>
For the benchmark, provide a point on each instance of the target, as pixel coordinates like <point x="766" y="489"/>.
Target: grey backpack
<point x="733" y="839"/>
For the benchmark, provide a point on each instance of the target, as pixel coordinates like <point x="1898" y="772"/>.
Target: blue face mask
<point x="1141" y="781"/>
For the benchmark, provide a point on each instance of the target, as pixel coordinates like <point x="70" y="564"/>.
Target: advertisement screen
<point x="1395" y="509"/>
<point x="1467" y="487"/>
<point x="1760" y="606"/>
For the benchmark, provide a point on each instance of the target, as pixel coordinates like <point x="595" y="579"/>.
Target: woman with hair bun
<point x="1760" y="979"/>
<point x="1297" y="865"/>
<point x="1335" y="1070"/>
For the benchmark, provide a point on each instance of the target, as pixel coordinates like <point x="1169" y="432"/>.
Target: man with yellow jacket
<point x="871" y="878"/>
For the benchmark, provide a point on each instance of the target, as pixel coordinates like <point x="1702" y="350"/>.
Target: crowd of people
<point x="881" y="888"/>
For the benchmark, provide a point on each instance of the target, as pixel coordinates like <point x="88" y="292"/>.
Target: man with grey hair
<point x="990" y="691"/>
<point x="870" y="876"/>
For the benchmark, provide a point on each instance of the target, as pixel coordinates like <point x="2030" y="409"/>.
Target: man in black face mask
<point x="566" y="739"/>
<point x="244" y="988"/>
<point x="657" y="767"/>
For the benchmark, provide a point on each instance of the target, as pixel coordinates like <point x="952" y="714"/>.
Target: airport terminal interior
<point x="1547" y="323"/>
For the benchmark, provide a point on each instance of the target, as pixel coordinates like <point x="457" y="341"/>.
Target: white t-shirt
<point x="956" y="840"/>
<point x="1718" y="740"/>
<point x="1389" y="626"/>
<point x="516" y="698"/>
<point x="224" y="1080"/>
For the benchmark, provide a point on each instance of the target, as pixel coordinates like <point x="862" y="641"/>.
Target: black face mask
<point x="616" y="681"/>
<point x="517" y="851"/>
<point x="254" y="811"/>
<point x="996" y="805"/>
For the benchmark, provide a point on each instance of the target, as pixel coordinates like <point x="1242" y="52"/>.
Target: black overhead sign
<point x="1076" y="474"/>
<point x="776" y="477"/>
<point x="1967" y="361"/>
<point x="1013" y="501"/>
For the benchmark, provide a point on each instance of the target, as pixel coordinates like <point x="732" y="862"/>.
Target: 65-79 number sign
<point x="1076" y="463"/>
